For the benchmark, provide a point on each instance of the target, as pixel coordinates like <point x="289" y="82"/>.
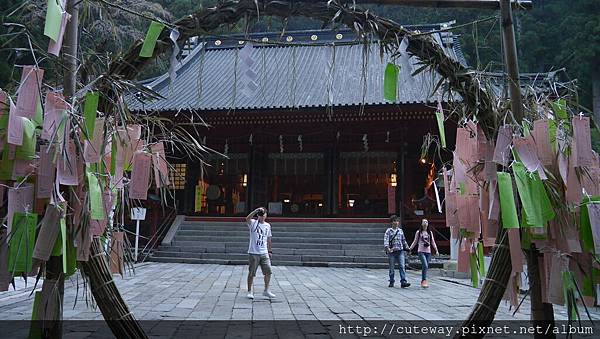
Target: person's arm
<point x="405" y="243"/>
<point x="270" y="247"/>
<point x="270" y="243"/>
<point x="386" y="241"/>
<point x="251" y="215"/>
<point x="433" y="244"/>
<point x="414" y="243"/>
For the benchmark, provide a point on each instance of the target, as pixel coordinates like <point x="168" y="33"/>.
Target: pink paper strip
<point x="559" y="263"/>
<point x="573" y="187"/>
<point x="97" y="227"/>
<point x="53" y="108"/>
<point x="67" y="167"/>
<point x="516" y="254"/>
<point x="54" y="46"/>
<point x="46" y="173"/>
<point x="528" y="154"/>
<point x="140" y="175"/>
<point x="92" y="151"/>
<point x="15" y="126"/>
<point x="542" y="142"/>
<point x="23" y="168"/>
<point x="161" y="170"/>
<point x="29" y="91"/>
<point x="494" y="209"/>
<point x="20" y="200"/>
<point x="502" y="150"/>
<point x="582" y="150"/>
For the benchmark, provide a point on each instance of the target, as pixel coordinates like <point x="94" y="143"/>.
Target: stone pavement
<point x="218" y="292"/>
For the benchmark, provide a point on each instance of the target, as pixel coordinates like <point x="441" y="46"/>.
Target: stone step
<point x="244" y="256"/>
<point x="281" y="263"/>
<point x="279" y="230"/>
<point x="284" y="251"/>
<point x="414" y="266"/>
<point x="276" y="245"/>
<point x="286" y="234"/>
<point x="244" y="238"/>
<point x="288" y="224"/>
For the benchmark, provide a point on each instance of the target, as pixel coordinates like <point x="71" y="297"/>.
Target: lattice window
<point x="177" y="175"/>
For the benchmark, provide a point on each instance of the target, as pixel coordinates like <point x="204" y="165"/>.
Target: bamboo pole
<point x="114" y="309"/>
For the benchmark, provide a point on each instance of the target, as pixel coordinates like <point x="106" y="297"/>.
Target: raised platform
<point x="322" y="242"/>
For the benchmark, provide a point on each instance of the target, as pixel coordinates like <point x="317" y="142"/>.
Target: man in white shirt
<point x="259" y="249"/>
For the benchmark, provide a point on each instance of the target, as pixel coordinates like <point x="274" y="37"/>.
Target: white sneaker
<point x="250" y="295"/>
<point x="268" y="294"/>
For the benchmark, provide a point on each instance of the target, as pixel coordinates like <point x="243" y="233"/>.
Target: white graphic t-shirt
<point x="259" y="232"/>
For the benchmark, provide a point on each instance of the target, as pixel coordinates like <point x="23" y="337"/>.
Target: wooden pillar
<point x="192" y="176"/>
<point x="251" y="179"/>
<point x="400" y="179"/>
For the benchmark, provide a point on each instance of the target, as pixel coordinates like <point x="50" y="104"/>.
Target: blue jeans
<point x="393" y="258"/>
<point x="424" y="256"/>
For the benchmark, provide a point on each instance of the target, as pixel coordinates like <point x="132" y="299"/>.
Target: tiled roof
<point x="306" y="72"/>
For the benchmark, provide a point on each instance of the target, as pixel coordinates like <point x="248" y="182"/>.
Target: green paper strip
<point x="534" y="198"/>
<point x="440" y="122"/>
<point x="474" y="270"/>
<point x="71" y="259"/>
<point x="560" y="109"/>
<point x="63" y="236"/>
<point x="35" y="331"/>
<point x="27" y="150"/>
<point x="569" y="294"/>
<point x="96" y="204"/>
<point x="481" y="260"/>
<point x="89" y="113"/>
<point x="38" y="119"/>
<point x="6" y="166"/>
<point x="53" y="20"/>
<point x="390" y="82"/>
<point x="151" y="36"/>
<point x="21" y="244"/>
<point x="507" y="201"/>
<point x="552" y="134"/>
<point x="585" y="230"/>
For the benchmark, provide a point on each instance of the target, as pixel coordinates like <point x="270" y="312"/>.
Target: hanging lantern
<point x="245" y="180"/>
<point x="387" y="138"/>
<point x="300" y="142"/>
<point x="250" y="139"/>
<point x="393" y="180"/>
<point x="226" y="148"/>
<point x="365" y="143"/>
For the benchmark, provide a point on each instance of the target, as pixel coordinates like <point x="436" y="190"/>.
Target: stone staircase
<point x="327" y="244"/>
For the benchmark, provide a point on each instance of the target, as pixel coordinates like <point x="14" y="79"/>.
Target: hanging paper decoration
<point x="54" y="46"/>
<point x="248" y="76"/>
<point x="226" y="147"/>
<point x="387" y="137"/>
<point x="300" y="142"/>
<point x="390" y="82"/>
<point x="174" y="36"/>
<point x="365" y="143"/>
<point x="152" y="35"/>
<point x="250" y="139"/>
<point x="439" y="114"/>
<point x="54" y="18"/>
<point x="280" y="143"/>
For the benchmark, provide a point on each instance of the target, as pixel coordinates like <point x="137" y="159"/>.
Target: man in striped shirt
<point x="395" y="245"/>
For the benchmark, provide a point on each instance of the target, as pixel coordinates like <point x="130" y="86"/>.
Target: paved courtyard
<point x="218" y="292"/>
<point x="333" y="296"/>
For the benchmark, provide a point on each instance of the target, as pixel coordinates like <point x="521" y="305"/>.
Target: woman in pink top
<point x="424" y="238"/>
